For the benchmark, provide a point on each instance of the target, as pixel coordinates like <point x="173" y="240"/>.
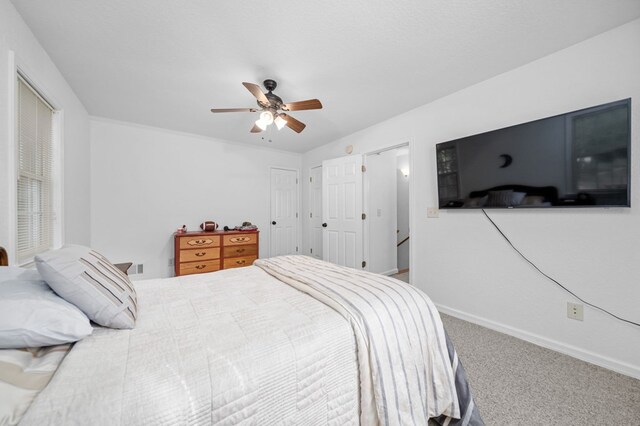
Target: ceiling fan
<point x="273" y="110"/>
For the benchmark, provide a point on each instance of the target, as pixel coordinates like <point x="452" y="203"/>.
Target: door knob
<point x="273" y="222"/>
<point x="324" y="225"/>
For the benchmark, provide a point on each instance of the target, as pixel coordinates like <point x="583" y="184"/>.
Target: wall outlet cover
<point x="433" y="212"/>
<point x="575" y="311"/>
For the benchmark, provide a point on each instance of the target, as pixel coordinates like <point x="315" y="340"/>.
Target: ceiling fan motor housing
<point x="274" y="100"/>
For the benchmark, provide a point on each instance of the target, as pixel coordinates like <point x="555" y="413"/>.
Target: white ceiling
<point x="165" y="63"/>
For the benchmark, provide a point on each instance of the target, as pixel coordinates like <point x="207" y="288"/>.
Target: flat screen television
<point x="578" y="159"/>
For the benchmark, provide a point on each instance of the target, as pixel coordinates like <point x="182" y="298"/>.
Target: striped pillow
<point x="88" y="280"/>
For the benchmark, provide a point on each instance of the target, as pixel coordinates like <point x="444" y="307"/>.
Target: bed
<point x="513" y="195"/>
<point x="517" y="196"/>
<point x="290" y="340"/>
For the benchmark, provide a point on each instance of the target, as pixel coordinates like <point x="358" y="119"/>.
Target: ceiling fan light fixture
<point x="261" y="124"/>
<point x="280" y="122"/>
<point x="266" y="117"/>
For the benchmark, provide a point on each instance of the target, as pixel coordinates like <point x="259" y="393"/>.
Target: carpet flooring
<point x="517" y="383"/>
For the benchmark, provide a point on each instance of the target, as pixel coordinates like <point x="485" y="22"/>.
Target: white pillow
<point x="88" y="280"/>
<point x="15" y="272"/>
<point x="31" y="315"/>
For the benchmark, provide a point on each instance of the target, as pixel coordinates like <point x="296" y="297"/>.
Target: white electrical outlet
<point x="171" y="261"/>
<point x="433" y="212"/>
<point x="575" y="311"/>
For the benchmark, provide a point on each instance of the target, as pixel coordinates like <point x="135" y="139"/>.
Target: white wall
<point x="145" y="182"/>
<point x="465" y="265"/>
<point x="19" y="48"/>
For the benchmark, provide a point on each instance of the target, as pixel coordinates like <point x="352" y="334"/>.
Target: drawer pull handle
<point x="201" y="254"/>
<point x="199" y="242"/>
<point x="201" y="266"/>
<point x="239" y="239"/>
<point x="239" y="250"/>
<point x="241" y="262"/>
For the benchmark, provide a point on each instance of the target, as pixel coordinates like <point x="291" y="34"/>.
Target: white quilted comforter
<point x="406" y="374"/>
<point x="231" y="347"/>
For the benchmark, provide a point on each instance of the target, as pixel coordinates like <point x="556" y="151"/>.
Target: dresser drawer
<point x="237" y="262"/>
<point x="199" y="267"/>
<point x="239" y="239"/>
<point x="248" y="250"/>
<point x="199" y="241"/>
<point x="200" y="254"/>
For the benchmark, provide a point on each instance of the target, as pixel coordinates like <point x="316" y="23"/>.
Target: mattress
<point x="233" y="347"/>
<point x="292" y="341"/>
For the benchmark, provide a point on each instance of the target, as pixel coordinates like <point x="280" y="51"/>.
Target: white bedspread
<point x="406" y="375"/>
<point x="230" y="347"/>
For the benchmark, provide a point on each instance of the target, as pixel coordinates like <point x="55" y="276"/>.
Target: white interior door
<point x="342" y="211"/>
<point x="380" y="202"/>
<point x="315" y="212"/>
<point x="284" y="212"/>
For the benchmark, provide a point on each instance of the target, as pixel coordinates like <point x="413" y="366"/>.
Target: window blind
<point x="34" y="193"/>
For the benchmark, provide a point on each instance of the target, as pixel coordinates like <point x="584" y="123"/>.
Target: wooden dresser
<point x="198" y="252"/>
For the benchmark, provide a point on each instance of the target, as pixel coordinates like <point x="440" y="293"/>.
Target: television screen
<point x="581" y="158"/>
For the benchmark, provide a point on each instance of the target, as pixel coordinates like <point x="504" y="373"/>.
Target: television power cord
<point x="554" y="280"/>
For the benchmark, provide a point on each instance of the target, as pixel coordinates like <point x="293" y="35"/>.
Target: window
<point x="447" y="159"/>
<point x="600" y="142"/>
<point x="35" y="206"/>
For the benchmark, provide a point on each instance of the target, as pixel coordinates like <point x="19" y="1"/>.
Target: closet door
<point x="284" y="212"/>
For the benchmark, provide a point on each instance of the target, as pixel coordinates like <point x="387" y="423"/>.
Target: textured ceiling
<point x="165" y="63"/>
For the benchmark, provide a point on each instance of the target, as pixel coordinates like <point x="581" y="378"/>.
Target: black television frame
<point x="547" y="191"/>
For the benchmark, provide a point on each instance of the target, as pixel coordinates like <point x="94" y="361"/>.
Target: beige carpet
<point x="518" y="383"/>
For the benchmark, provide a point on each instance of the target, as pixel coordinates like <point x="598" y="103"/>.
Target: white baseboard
<point x="581" y="354"/>
<point x="390" y="272"/>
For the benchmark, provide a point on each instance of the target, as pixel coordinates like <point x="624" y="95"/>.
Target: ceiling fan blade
<point x="255" y="129"/>
<point x="214" y="110"/>
<point x="257" y="92"/>
<point x="302" y="105"/>
<point x="295" y="125"/>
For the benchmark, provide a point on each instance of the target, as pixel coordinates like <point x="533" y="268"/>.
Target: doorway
<point x="403" y="245"/>
<point x="364" y="201"/>
<point x="386" y="204"/>
<point x="284" y="212"/>
<point x="315" y="212"/>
